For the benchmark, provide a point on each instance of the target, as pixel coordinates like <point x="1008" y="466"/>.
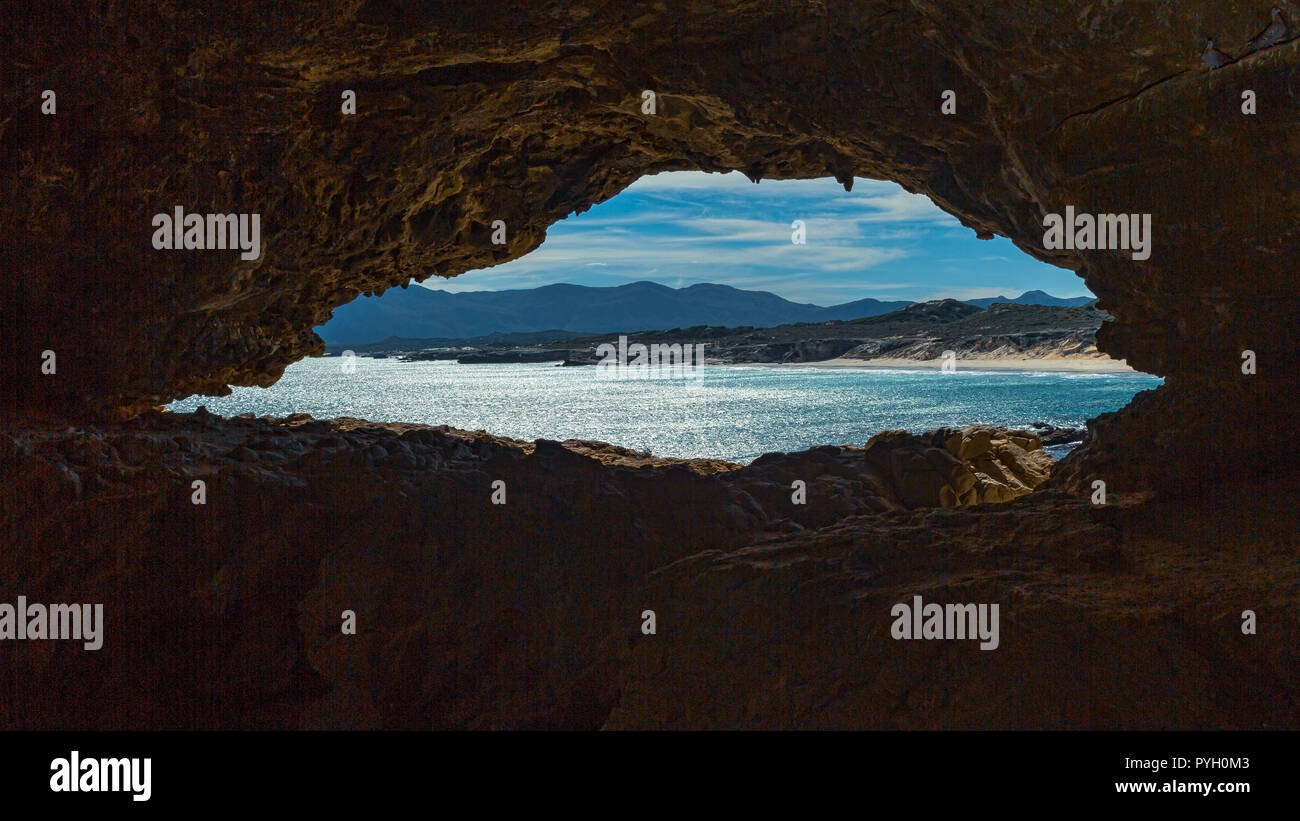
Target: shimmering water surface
<point x="730" y="412"/>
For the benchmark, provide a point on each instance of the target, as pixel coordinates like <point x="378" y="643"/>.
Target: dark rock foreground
<point x="528" y="614"/>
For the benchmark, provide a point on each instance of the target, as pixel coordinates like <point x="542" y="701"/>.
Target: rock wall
<point x="470" y="614"/>
<point x="225" y="614"/>
<point x="529" y="614"/>
<point x="526" y="112"/>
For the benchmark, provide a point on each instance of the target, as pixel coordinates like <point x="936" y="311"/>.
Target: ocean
<point x="727" y="412"/>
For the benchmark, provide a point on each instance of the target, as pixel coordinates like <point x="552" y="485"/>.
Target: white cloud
<point x="754" y="246"/>
<point x="690" y="227"/>
<point x="690" y="180"/>
<point x="899" y="206"/>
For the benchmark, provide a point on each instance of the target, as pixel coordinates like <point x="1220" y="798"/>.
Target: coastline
<point x="1047" y="363"/>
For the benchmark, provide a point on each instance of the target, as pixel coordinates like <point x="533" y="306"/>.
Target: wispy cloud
<point x="690" y="181"/>
<point x="877" y="240"/>
<point x="898" y="206"/>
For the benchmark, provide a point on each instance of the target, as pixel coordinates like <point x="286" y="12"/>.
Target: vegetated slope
<point x="922" y="331"/>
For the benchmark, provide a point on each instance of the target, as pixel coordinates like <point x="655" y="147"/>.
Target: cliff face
<point x="525" y="112"/>
<point x="530" y="614"/>
<point x="469" y="613"/>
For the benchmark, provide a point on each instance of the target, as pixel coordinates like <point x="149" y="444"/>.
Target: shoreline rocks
<point x="1051" y="435"/>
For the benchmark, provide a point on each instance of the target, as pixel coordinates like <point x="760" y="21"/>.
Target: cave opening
<point x="225" y="552"/>
<point x="825" y="313"/>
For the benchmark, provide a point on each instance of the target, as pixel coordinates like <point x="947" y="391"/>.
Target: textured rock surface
<point x="473" y="615"/>
<point x="526" y="112"/>
<point x="470" y="614"/>
<point x="794" y="631"/>
<point x="528" y="614"/>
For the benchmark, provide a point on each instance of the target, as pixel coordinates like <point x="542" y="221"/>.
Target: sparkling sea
<point x="733" y="412"/>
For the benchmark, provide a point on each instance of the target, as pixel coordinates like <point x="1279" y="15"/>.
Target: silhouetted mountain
<point x="1033" y="298"/>
<point x="422" y="313"/>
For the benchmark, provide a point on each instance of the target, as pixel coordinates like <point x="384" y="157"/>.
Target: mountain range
<point x="422" y="313"/>
<point x="1033" y="298"/>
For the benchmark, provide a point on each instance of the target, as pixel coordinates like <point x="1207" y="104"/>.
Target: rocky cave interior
<point x="526" y="615"/>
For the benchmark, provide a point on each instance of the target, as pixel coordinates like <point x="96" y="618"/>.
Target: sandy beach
<point x="1047" y="363"/>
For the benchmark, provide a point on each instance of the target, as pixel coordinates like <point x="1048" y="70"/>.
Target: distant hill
<point x="399" y="343"/>
<point x="421" y="313"/>
<point x="1034" y="298"/>
<point x="916" y="315"/>
<point x="920" y="331"/>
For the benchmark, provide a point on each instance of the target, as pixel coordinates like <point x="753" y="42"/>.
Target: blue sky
<point x="687" y="227"/>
